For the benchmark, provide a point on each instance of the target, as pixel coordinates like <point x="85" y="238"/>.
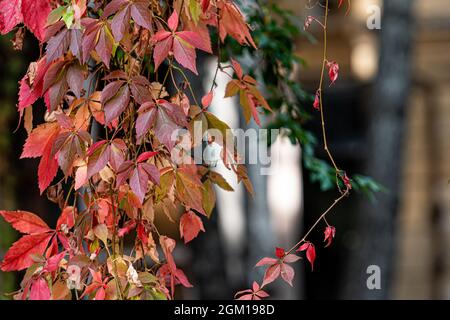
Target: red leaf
<point x="271" y="274"/>
<point x="141" y="14"/>
<point x="67" y="218"/>
<point x="205" y="5"/>
<point x="290" y="258"/>
<point x="28" y="95"/>
<point x="262" y="294"/>
<point x="57" y="45"/>
<point x="10" y="15"/>
<point x="40" y="290"/>
<point x="128" y="226"/>
<point x="316" y="103"/>
<point x="185" y="54"/>
<point x="120" y="22"/>
<point x="173" y="21"/>
<point x="310" y="252"/>
<point x="101" y="294"/>
<point x="162" y="47"/>
<point x="52" y="263"/>
<point x="113" y="6"/>
<point x="139" y="178"/>
<point x="266" y="261"/>
<point x="115" y="105"/>
<point x="287" y="273"/>
<point x="25" y="222"/>
<point x="347" y="182"/>
<point x="98" y="158"/>
<point x="190" y="226"/>
<point x="142" y="234"/>
<point x="232" y="22"/>
<point x="330" y="233"/>
<point x="19" y="254"/>
<point x="38" y="140"/>
<point x="181" y="277"/>
<point x="48" y="166"/>
<point x="207" y="99"/>
<point x="104" y="45"/>
<point x="237" y="68"/>
<point x="138" y="183"/>
<point x="333" y="71"/>
<point x="168" y="245"/>
<point x="189" y="188"/>
<point x="146" y="155"/>
<point x="279" y="252"/>
<point x="195" y="40"/>
<point x="35" y="13"/>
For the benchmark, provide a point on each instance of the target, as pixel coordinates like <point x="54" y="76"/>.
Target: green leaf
<point x="68" y="17"/>
<point x="195" y="10"/>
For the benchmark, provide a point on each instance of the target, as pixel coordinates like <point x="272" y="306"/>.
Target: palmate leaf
<point x="19" y="255"/>
<point x="25" y="222"/>
<point x="33" y="13"/>
<point x="190" y="226"/>
<point x="123" y="10"/>
<point x="164" y="117"/>
<point x="189" y="188"/>
<point x="181" y="43"/>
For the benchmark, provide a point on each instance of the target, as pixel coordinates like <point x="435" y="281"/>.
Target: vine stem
<point x="322" y="216"/>
<point x="345" y="192"/>
<point x="322" y="116"/>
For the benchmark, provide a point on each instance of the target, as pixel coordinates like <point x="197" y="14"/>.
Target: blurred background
<point x="388" y="117"/>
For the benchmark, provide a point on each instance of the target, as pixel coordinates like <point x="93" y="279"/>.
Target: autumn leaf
<point x="164" y="117"/>
<point x="60" y="76"/>
<point x="39" y="290"/>
<point x="123" y="10"/>
<point x="170" y="269"/>
<point x="256" y="293"/>
<point x="310" y="252"/>
<point x="139" y="174"/>
<point x="181" y="43"/>
<point x="232" y="23"/>
<point x="287" y="273"/>
<point x="67" y="218"/>
<point x="25" y="222"/>
<point x="189" y="188"/>
<point x="208" y="197"/>
<point x="10" y="15"/>
<point x="220" y="181"/>
<point x="329" y="234"/>
<point x="19" y="255"/>
<point x="278" y="266"/>
<point x="249" y="95"/>
<point x="190" y="226"/>
<point x="115" y="99"/>
<point x="39" y="144"/>
<point x="279" y="252"/>
<point x="316" y="103"/>
<point x="98" y="37"/>
<point x="333" y="71"/>
<point x="207" y="99"/>
<point x="31" y="85"/>
<point x="33" y="13"/>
